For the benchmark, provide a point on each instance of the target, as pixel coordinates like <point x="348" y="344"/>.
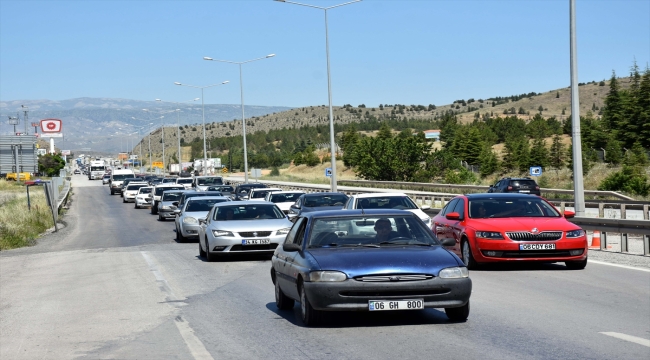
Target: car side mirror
<point x="290" y="247"/>
<point x="425" y="207"/>
<point x="202" y="221"/>
<point x="453" y="216"/>
<point x="448" y="242"/>
<point x="569" y="214"/>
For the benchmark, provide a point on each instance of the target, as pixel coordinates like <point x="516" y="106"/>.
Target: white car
<point x="131" y="191"/>
<point x="142" y="197"/>
<point x="387" y="201"/>
<point x="283" y="199"/>
<point x="260" y="193"/>
<point x="188" y="183"/>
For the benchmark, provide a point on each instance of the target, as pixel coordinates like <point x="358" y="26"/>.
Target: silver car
<point x="187" y="223"/>
<point x="143" y="197"/>
<point x="242" y="227"/>
<point x="165" y="205"/>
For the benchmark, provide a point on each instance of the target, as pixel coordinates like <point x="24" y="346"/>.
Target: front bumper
<point x="129" y="197"/>
<point x="355" y="295"/>
<point x="167" y="214"/>
<point x="142" y="202"/>
<point x="508" y="250"/>
<point x="190" y="231"/>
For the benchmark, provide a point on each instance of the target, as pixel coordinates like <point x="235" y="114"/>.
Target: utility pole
<point x="25" y="111"/>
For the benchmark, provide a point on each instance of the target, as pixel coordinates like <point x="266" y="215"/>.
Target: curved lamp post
<point x="243" y="119"/>
<point x="205" y="152"/>
<point x="329" y="82"/>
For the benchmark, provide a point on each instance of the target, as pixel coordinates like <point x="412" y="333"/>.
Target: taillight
<point x="536" y="187"/>
<point x="509" y="187"/>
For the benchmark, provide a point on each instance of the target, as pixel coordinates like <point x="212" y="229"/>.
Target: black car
<point x="516" y="185"/>
<point x="241" y="191"/>
<point x="317" y="202"/>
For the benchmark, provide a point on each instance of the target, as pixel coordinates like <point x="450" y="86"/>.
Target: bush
<point x="629" y="180"/>
<point x="275" y="171"/>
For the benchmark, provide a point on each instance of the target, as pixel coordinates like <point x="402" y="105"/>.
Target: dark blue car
<point x="317" y="202"/>
<point x="367" y="260"/>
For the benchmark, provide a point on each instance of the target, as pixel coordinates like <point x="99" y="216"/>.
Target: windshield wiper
<point x="401" y="242"/>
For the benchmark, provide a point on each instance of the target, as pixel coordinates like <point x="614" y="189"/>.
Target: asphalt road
<point x="114" y="284"/>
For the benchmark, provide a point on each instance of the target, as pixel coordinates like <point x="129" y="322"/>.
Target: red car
<point x="491" y="228"/>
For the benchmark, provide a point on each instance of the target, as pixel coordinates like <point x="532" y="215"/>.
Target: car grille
<point x="393" y="278"/>
<point x="255" y="233"/>
<point x="253" y="247"/>
<point x="527" y="236"/>
<point x="388" y="293"/>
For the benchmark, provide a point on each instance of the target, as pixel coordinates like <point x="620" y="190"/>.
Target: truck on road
<point x="97" y="170"/>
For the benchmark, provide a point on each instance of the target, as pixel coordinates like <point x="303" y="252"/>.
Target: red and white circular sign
<point x="51" y="125"/>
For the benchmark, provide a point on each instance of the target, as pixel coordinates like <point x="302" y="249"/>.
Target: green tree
<point x="539" y="154"/>
<point x="489" y="162"/>
<point x="613" y="111"/>
<point x="50" y="164"/>
<point x="557" y="153"/>
<point x="629" y="180"/>
<point x="613" y="152"/>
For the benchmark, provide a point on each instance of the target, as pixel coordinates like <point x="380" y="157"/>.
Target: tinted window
<point x="388" y="202"/>
<point x="145" y="190"/>
<point x="171" y="196"/>
<point x="248" y="212"/>
<point x="135" y="187"/>
<point x="325" y="200"/>
<point x="209" y="181"/>
<point x="184" y="181"/>
<point x="294" y="230"/>
<point x="460" y="208"/>
<point x="202" y="204"/>
<point x="528" y="183"/>
<point x="121" y="177"/>
<point x="512" y="207"/>
<point x="449" y="207"/>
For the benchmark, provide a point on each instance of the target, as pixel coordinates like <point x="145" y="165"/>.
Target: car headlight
<point x="165" y="207"/>
<point x="489" y="235"/>
<point x="327" y="276"/>
<point x="426" y="220"/>
<point x="283" y="231"/>
<point x="454" y="273"/>
<point x="190" y="220"/>
<point x="575" y="233"/>
<point x="219" y="233"/>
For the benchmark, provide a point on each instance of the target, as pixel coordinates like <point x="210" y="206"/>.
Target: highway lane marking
<point x="630" y="338"/>
<point x="194" y="344"/>
<point x="617" y="265"/>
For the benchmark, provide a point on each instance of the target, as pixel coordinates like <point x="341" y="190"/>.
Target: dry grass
<point x="19" y="226"/>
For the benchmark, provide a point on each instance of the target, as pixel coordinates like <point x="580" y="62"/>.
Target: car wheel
<point x="160" y="218"/>
<point x="136" y="205"/>
<point x="468" y="259"/>
<point x="123" y="199"/>
<point x="459" y="314"/>
<point x="201" y="251"/>
<point x="576" y="265"/>
<point x="179" y="235"/>
<point x="282" y="301"/>
<point x="209" y="256"/>
<point x="112" y="192"/>
<point x="309" y="315"/>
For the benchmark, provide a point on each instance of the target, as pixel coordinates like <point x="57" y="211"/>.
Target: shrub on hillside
<point x="629" y="180"/>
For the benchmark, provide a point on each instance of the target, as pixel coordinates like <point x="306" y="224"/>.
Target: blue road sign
<point x="328" y="172"/>
<point x="535" y="171"/>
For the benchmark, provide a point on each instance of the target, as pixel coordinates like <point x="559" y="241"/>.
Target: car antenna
<point x="361" y="206"/>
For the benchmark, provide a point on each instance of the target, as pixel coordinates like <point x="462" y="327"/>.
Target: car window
<point x="460" y="208"/>
<point x="171" y="196"/>
<point x="449" y="207"/>
<point x="294" y="230"/>
<point x="184" y="181"/>
<point x="144" y="190"/>
<point x="202" y="204"/>
<point x="325" y="200"/>
<point x="259" y="211"/>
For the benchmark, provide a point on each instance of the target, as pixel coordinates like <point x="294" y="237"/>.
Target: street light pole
<point x="243" y="118"/>
<point x="329" y="83"/>
<point x="205" y="153"/>
<point x="178" y="126"/>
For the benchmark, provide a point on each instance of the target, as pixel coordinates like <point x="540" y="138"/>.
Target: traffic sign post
<point x="328" y="172"/>
<point x="535" y="171"/>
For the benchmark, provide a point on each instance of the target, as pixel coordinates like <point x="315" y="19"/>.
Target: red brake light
<point x="509" y="187"/>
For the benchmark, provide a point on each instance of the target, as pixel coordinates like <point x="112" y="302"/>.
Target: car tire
<point x="123" y="199"/>
<point x="282" y="301"/>
<point x="160" y="218"/>
<point x="179" y="235"/>
<point x="112" y="192"/>
<point x="136" y="205"/>
<point x="576" y="265"/>
<point x="209" y="256"/>
<point x="468" y="258"/>
<point x="458" y="314"/>
<point x="201" y="251"/>
<point x="309" y="315"/>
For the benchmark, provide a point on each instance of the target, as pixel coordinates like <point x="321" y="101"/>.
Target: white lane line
<point x="630" y="338"/>
<point x="196" y="347"/>
<point x="617" y="265"/>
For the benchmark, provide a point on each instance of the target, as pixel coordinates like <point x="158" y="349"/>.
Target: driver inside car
<point x="384" y="230"/>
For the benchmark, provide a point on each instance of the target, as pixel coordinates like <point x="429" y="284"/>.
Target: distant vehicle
<point x="97" y="170"/>
<point x="490" y="228"/>
<point x="373" y="260"/>
<point x="317" y="202"/>
<point x="241" y="191"/>
<point x="192" y="194"/>
<point x="174" y="169"/>
<point x="169" y="180"/>
<point x="157" y="193"/>
<point x="516" y="185"/>
<point x="201" y="183"/>
<point x="117" y="176"/>
<point x="165" y="206"/>
<point x="283" y="199"/>
<point x="187" y="215"/>
<point x="399" y="201"/>
<point x="241" y="227"/>
<point x="260" y="193"/>
<point x="106" y="179"/>
<point x="131" y="191"/>
<point x="126" y="182"/>
<point x="76" y="172"/>
<point x="186" y="182"/>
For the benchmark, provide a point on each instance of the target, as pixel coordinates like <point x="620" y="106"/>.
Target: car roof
<point x="372" y="195"/>
<point x="267" y="189"/>
<point x="249" y="203"/>
<point x="289" y="192"/>
<point x="368" y="212"/>
<point x="209" y="198"/>
<point x="498" y="196"/>
<point x="323" y="194"/>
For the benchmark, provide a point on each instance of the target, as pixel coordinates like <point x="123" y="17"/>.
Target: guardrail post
<point x="562" y="207"/>
<point x="603" y="240"/>
<point x="624" y="242"/>
<point x="645" y="213"/>
<point x="646" y="245"/>
<point x="601" y="210"/>
<point x="623" y="216"/>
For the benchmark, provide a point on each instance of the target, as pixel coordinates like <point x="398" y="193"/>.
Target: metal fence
<point x="18" y="154"/>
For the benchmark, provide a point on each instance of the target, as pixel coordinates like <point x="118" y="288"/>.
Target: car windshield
<point x="280" y="198"/>
<point x="171" y="196"/>
<point x="145" y="190"/>
<point x="168" y="180"/>
<point x="248" y="212"/>
<point x="135" y="187"/>
<point x="369" y="232"/>
<point x="386" y="202"/>
<point x="209" y="181"/>
<point x="259" y="194"/>
<point x="205" y="205"/>
<point x="221" y="188"/>
<point x="121" y="177"/>
<point x="325" y="200"/>
<point x="160" y="190"/>
<point x="184" y="181"/>
<point x="97" y="168"/>
<point x="510" y="207"/>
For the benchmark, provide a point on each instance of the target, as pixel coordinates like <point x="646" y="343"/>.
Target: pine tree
<point x="488" y="161"/>
<point x="613" y="105"/>
<point x="613" y="152"/>
<point x="557" y="154"/>
<point x="642" y="119"/>
<point x="539" y="154"/>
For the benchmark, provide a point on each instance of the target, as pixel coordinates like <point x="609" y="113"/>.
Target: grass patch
<point x="20" y="227"/>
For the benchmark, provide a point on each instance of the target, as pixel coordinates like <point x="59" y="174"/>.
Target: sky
<point x="381" y="51"/>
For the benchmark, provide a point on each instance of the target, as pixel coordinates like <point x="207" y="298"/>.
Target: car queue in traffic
<point x="365" y="252"/>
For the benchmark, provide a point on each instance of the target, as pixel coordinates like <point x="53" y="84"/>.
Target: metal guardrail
<point x="437" y="200"/>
